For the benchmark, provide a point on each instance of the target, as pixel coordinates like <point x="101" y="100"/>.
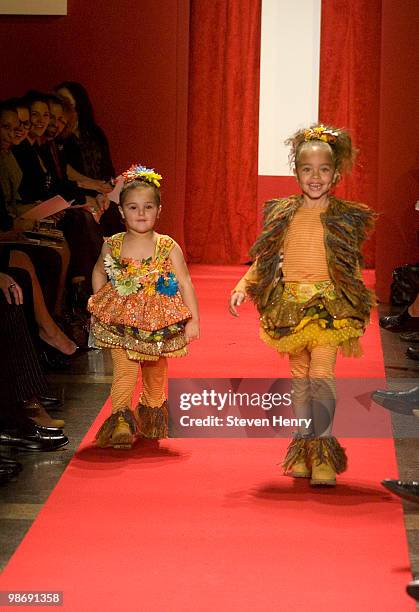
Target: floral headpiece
<point x="320" y="133"/>
<point x="141" y="173"/>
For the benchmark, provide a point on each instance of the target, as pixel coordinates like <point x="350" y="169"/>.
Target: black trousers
<point x="21" y="376"/>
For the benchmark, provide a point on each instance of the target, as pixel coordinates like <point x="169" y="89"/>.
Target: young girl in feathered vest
<point x="307" y="285"/>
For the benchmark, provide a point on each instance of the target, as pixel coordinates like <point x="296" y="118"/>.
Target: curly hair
<point x="337" y="140"/>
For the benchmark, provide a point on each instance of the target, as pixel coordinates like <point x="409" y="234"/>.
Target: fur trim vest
<point x="345" y="227"/>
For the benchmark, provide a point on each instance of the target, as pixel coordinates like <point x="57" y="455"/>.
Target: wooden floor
<point x="85" y="387"/>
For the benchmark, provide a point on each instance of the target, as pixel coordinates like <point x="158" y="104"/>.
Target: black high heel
<point x="51" y="358"/>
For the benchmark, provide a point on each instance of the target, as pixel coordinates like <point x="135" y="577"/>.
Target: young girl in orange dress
<point x="144" y="309"/>
<point x="307" y="285"/>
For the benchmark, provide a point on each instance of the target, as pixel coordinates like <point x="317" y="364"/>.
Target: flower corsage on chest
<point x="129" y="276"/>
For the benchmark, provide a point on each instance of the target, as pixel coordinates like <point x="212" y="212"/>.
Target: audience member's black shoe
<point x="50" y="402"/>
<point x="51" y="359"/>
<point x="402" y="322"/>
<point x="410" y="337"/>
<point x="413" y="353"/>
<point x="402" y="402"/>
<point x="406" y="490"/>
<point x="47" y="430"/>
<point x="32" y="438"/>
<point x="413" y="589"/>
<point x="19" y="440"/>
<point x="25" y="422"/>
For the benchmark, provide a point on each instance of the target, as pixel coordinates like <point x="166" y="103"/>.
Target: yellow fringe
<point x="312" y="335"/>
<point x="135" y="356"/>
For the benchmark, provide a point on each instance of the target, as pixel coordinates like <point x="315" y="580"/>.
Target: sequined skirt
<point x="140" y="345"/>
<point x="319" y="321"/>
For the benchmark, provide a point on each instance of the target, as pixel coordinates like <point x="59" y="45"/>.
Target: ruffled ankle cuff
<point x="153" y="422"/>
<point x="297" y="451"/>
<point x="328" y="450"/>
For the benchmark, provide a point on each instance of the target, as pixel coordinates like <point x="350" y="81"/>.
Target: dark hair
<point x="139" y="184"/>
<point x="84" y="107"/>
<point x="85" y="116"/>
<point x="16" y="103"/>
<point x="33" y="96"/>
<point x="54" y="98"/>
<point x="7" y="106"/>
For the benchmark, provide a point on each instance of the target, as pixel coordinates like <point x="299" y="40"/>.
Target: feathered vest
<point x="345" y="227"/>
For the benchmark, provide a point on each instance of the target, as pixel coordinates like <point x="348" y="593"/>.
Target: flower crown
<point x="321" y="132"/>
<point x="140" y="173"/>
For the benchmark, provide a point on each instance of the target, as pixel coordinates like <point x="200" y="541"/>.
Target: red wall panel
<point x="398" y="175"/>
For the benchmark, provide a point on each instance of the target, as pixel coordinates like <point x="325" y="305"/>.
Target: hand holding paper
<point x="46" y="209"/>
<point x="114" y="194"/>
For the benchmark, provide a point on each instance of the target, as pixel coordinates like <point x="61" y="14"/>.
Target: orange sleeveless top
<point x="141" y="294"/>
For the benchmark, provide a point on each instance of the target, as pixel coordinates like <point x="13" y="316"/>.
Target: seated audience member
<point x="58" y="130"/>
<point x="24" y="119"/>
<point x="87" y="150"/>
<point x="24" y="422"/>
<point x="10" y="172"/>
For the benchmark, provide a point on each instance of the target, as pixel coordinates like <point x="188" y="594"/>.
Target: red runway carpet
<point x="199" y="525"/>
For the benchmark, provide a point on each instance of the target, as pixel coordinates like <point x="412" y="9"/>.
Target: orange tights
<point x="314" y="389"/>
<point x="125" y="375"/>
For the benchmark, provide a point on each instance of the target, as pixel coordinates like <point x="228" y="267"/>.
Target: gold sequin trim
<point x="105" y="338"/>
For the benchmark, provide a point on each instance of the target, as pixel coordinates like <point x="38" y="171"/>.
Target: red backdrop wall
<point x="133" y="59"/>
<point x="223" y="130"/>
<point x="398" y="176"/>
<point x="349" y="91"/>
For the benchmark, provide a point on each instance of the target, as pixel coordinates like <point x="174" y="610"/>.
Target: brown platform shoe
<point x="118" y="431"/>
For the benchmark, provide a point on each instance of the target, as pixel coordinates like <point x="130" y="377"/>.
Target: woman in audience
<point x="57" y="132"/>
<point x="24" y="120"/>
<point x="10" y="172"/>
<point x="87" y="149"/>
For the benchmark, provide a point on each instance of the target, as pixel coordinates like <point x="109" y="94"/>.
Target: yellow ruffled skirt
<point x="317" y="327"/>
